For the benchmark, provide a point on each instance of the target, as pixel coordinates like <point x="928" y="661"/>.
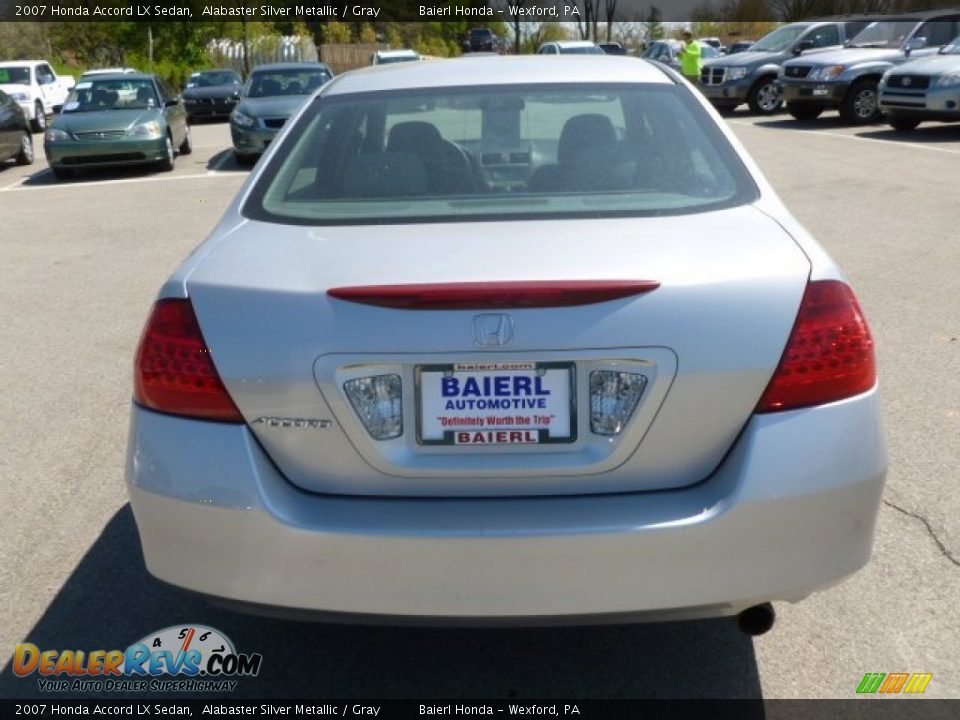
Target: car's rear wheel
<point x="860" y="106"/>
<point x="901" y="125"/>
<point x="166" y="165"/>
<point x="186" y="147"/>
<point x="62" y="173"/>
<point x="804" y="111"/>
<point x="39" y="122"/>
<point x="25" y="156"/>
<point x="765" y="97"/>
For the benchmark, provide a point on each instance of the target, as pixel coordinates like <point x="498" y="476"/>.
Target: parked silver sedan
<point x="518" y="340"/>
<point x="927" y="88"/>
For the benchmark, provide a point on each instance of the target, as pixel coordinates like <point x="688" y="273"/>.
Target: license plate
<point x="496" y="403"/>
<point x="821" y="91"/>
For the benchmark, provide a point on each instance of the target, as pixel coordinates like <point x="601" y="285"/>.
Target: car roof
<point x="574" y="43"/>
<point x="110" y="71"/>
<point x="15" y="63"/>
<point x="213" y="70"/>
<point x="291" y="66"/>
<point x="388" y="53"/>
<point x="125" y="76"/>
<point x="500" y="70"/>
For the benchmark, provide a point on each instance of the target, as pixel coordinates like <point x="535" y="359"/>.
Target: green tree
<point x="654" y="24"/>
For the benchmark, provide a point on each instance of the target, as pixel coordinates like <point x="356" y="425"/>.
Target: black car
<point x="212" y="93"/>
<point x="15" y="139"/>
<point x="613" y="48"/>
<point x="482" y="40"/>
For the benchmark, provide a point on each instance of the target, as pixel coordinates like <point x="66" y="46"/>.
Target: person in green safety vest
<point x="690" y="58"/>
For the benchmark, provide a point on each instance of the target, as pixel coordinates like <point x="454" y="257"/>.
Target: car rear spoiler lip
<point x="493" y="295"/>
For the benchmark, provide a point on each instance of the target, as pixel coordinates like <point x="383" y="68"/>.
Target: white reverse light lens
<point x="377" y="401"/>
<point x="613" y="398"/>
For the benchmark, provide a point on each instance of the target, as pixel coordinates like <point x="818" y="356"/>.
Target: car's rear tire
<point x="166" y="165"/>
<point x="765" y="97"/>
<point x="39" y="122"/>
<point x="861" y="105"/>
<point x="901" y="125"/>
<point x="186" y="147"/>
<point x="25" y="156"/>
<point x="804" y="111"/>
<point x="62" y="173"/>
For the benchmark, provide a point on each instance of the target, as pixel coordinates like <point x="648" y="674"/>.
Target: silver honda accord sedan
<point x="518" y="340"/>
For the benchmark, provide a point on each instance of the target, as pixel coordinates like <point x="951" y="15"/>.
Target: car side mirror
<point x="46" y="79"/>
<point x="802" y="46"/>
<point x="915" y="43"/>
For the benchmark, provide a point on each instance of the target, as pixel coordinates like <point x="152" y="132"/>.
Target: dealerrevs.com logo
<point x="182" y="658"/>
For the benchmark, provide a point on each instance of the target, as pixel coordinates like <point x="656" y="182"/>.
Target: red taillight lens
<point x="829" y="355"/>
<point x="174" y="372"/>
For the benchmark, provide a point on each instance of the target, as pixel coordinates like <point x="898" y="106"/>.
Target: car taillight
<point x="829" y="355"/>
<point x="174" y="372"/>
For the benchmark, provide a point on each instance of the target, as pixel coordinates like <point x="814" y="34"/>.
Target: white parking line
<point x="827" y="133"/>
<point x="19" y="186"/>
<point x="14" y="184"/>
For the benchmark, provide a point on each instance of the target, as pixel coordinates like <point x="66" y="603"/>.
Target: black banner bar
<point x="859" y="709"/>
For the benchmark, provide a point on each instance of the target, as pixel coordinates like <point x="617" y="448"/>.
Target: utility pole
<point x="150" y="46"/>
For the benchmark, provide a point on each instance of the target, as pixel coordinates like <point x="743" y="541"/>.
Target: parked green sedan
<point x="113" y="120"/>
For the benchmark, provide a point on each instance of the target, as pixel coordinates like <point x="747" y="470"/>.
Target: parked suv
<point x="927" y="88"/>
<point x="750" y="76"/>
<point x="847" y="79"/>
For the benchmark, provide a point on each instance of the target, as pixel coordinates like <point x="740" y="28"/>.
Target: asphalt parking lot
<point x="82" y="261"/>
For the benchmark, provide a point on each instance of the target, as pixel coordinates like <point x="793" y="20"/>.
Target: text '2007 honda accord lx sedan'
<point x="518" y="340"/>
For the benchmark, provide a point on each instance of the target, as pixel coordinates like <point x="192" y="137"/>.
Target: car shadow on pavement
<point x="226" y="161"/>
<point x="923" y="134"/>
<point x="110" y="602"/>
<point x="830" y="121"/>
<point x="46" y="178"/>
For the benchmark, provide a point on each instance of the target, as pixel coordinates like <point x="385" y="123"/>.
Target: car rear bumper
<point x="790" y="510"/>
<point x="103" y="153"/>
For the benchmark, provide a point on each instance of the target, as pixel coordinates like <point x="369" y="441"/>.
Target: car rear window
<point x="505" y="152"/>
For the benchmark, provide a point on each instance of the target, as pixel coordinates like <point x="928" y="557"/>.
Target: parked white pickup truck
<point x="35" y="87"/>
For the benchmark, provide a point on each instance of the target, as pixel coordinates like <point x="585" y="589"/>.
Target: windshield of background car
<point x="388" y="59"/>
<point x="119" y="94"/>
<point x="581" y="50"/>
<point x="780" y="39"/>
<point x="884" y="34"/>
<point x="15" y="76"/>
<point x="213" y="79"/>
<point x="500" y="152"/>
<point x="270" y="83"/>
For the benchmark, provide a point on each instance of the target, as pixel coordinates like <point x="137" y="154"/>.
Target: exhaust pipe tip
<point x="756" y="620"/>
